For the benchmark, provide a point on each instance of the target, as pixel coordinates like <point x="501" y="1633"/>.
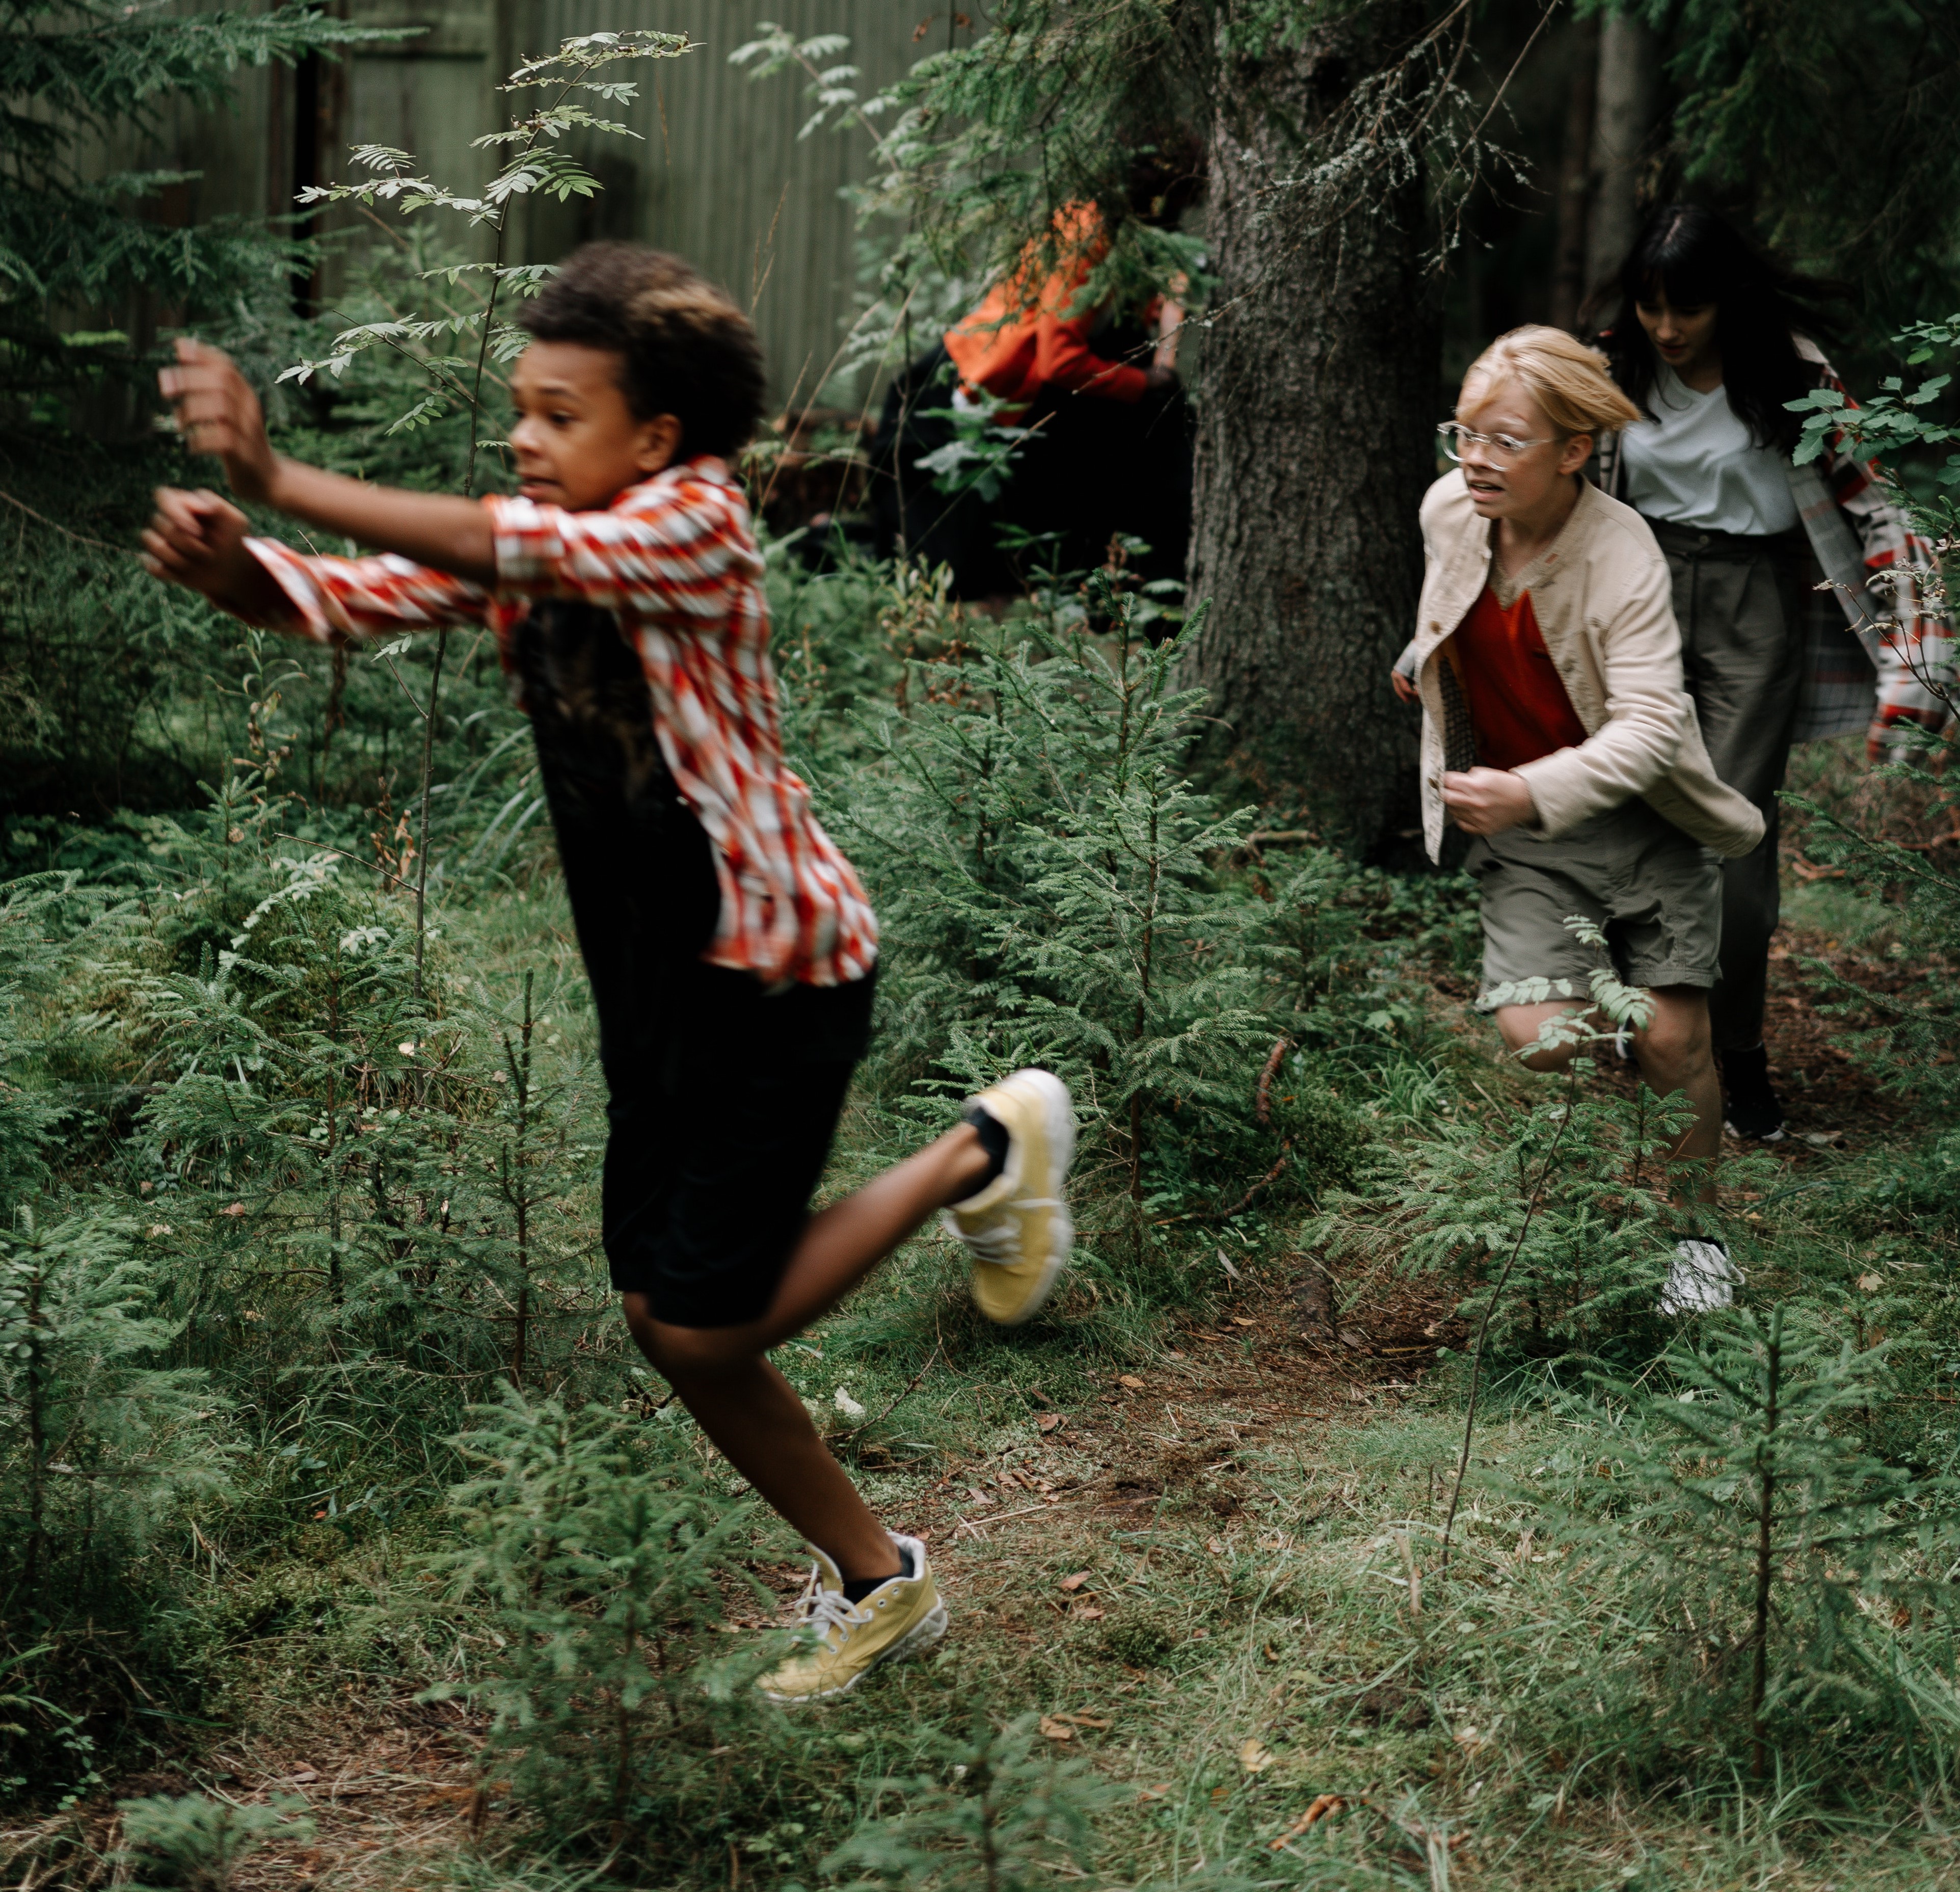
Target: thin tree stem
<point x="428" y="770"/>
<point x="519" y="1193"/>
<point x="1765" y="1561"/>
<point x="1483" y="1326"/>
<point x="37" y="1430"/>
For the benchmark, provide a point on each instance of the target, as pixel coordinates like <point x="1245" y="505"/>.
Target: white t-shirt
<point x="1696" y="464"/>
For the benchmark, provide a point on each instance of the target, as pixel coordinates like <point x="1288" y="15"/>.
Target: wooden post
<point x="1569" y="282"/>
<point x="1628" y="101"/>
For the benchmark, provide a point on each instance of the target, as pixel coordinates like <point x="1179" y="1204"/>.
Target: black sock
<point x="993" y="1140"/>
<point x="859" y="1588"/>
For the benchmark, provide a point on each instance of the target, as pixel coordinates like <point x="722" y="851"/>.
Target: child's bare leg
<point x="1520" y="1025"/>
<point x="749" y="1409"/>
<point x="837" y="1249"/>
<point x="1676" y="1054"/>
<point x="753" y="1415"/>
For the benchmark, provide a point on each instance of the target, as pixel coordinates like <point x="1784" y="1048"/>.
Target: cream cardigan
<point x="1603" y="601"/>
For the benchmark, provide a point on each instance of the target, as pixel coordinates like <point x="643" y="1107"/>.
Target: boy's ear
<point x="1578" y="451"/>
<point x="660" y="442"/>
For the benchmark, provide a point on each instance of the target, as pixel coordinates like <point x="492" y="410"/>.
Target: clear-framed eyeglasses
<point x="1501" y="448"/>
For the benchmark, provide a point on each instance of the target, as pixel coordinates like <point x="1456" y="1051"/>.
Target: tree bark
<point x="1629" y="100"/>
<point x="1318" y="387"/>
<point x="1569" y="282"/>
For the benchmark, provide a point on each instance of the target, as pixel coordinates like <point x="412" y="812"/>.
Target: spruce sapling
<point x="1052" y="883"/>
<point x="599" y="1559"/>
<point x="1795" y="1554"/>
<point x="1000" y="1812"/>
<point x="1567" y="1196"/>
<point x="189" y="1843"/>
<point x="98" y="1445"/>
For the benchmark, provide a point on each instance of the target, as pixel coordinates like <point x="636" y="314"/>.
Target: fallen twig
<point x="911" y="1387"/>
<point x="1271" y="1175"/>
<point x="1262" y="1098"/>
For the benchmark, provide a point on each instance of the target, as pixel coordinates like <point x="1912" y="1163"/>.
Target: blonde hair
<point x="1568" y="381"/>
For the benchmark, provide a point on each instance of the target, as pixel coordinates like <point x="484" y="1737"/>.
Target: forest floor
<point x="1097" y="1543"/>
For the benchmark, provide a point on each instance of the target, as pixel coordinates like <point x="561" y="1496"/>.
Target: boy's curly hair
<point x="687" y="350"/>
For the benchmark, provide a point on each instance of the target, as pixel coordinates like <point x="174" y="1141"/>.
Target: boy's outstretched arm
<point x="217" y="413"/>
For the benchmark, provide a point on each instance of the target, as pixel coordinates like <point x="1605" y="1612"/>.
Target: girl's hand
<point x="1404" y="688"/>
<point x="1487" y="800"/>
<point x="217" y="413"/>
<point x="196" y="539"/>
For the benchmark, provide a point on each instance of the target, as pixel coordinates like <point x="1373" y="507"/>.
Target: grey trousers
<point x="1738" y="601"/>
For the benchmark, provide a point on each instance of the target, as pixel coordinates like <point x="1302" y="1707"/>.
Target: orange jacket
<point x="1018" y="342"/>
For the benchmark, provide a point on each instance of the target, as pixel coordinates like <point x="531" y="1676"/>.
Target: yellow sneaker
<point x="1017" y="1228"/>
<point x="902" y="1617"/>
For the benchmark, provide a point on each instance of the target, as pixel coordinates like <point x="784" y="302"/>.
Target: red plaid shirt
<point x="675" y="560"/>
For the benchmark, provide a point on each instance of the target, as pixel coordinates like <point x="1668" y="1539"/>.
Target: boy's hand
<point x="217" y="413"/>
<point x="196" y="539"/>
<point x="1487" y="800"/>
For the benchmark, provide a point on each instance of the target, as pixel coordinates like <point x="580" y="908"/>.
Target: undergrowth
<point x="308" y="1366"/>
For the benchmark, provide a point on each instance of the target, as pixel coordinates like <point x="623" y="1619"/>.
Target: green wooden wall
<point x="719" y="174"/>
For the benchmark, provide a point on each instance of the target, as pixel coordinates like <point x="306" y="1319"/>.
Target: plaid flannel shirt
<point x="675" y="560"/>
<point x="1874" y="658"/>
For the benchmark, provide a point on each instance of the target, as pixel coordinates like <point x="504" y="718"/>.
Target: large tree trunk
<point x="1317" y="391"/>
<point x="1628" y="100"/>
<point x="1568" y="283"/>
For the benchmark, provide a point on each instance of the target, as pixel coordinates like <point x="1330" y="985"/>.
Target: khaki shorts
<point x="1656" y="893"/>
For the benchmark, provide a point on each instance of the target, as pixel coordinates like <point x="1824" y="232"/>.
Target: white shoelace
<point x="1001" y="1241"/>
<point x="823" y="1610"/>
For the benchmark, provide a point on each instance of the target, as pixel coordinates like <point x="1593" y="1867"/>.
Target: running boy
<point x="730" y="947"/>
<point x="1557" y="730"/>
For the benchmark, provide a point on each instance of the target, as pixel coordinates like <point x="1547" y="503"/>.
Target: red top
<point x="1518" y="705"/>
<point x="1029" y="334"/>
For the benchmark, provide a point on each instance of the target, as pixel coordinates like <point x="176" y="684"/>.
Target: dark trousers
<point x="1739" y="602"/>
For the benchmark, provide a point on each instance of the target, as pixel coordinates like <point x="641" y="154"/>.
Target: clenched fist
<point x="1487" y="800"/>
<point x="197" y="540"/>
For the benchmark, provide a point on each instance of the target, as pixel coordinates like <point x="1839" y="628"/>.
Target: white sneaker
<point x="1699" y="1279"/>
<point x="1017" y="1229"/>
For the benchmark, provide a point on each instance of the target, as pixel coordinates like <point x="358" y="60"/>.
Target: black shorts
<point x="723" y="1099"/>
<point x="721" y="1116"/>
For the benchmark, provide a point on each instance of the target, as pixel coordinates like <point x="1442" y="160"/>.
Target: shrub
<point x="1797" y="1582"/>
<point x="598" y="1553"/>
<point x="98" y="1443"/>
<point x="192" y="1844"/>
<point x="1558" y="1212"/>
<point x="1054" y="890"/>
<point x="999" y="1812"/>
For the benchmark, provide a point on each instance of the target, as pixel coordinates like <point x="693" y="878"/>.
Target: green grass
<point x="1262" y="1546"/>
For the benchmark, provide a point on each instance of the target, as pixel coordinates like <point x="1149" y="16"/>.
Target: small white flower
<point x="846" y="1405"/>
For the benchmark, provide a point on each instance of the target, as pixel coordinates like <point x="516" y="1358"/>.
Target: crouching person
<point x="1556" y="731"/>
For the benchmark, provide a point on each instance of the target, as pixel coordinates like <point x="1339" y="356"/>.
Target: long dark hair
<point x="1697" y="257"/>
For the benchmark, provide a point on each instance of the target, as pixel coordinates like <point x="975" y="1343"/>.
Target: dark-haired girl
<point x="1712" y="341"/>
